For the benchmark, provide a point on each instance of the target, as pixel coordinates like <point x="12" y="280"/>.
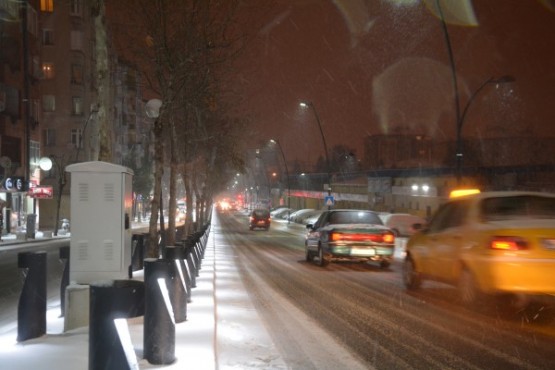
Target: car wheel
<point x="322" y="260"/>
<point x="309" y="255"/>
<point x="411" y="277"/>
<point x="468" y="289"/>
<point x="384" y="264"/>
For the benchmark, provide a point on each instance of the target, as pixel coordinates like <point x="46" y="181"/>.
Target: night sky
<point x="373" y="67"/>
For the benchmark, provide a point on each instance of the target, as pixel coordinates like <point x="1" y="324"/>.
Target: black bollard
<point x="111" y="300"/>
<point x="64" y="257"/>
<point x="31" y="309"/>
<point x="159" y="324"/>
<point x="192" y="268"/>
<point x="177" y="285"/>
<point x="138" y="251"/>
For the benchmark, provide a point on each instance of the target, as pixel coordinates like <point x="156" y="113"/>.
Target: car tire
<point x="411" y="277"/>
<point x="468" y="289"/>
<point x="308" y="255"/>
<point x="384" y="264"/>
<point x="322" y="260"/>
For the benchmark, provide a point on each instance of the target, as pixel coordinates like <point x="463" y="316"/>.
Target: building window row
<point x="49" y="137"/>
<point x="47" y="6"/>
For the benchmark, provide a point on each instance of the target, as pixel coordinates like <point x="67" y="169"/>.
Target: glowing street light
<point x="311" y="105"/>
<point x="287" y="175"/>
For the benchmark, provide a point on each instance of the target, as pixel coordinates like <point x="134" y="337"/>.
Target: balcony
<point x="9" y="10"/>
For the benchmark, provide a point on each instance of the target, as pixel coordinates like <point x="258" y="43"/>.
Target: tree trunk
<point x="102" y="146"/>
<point x="153" y="250"/>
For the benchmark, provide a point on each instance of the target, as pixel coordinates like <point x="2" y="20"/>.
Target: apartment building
<point x="58" y="49"/>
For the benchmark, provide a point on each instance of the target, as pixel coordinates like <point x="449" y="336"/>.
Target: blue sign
<point x="329" y="200"/>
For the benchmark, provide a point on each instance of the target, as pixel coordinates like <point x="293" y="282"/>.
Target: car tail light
<point x="360" y="237"/>
<point x="508" y="243"/>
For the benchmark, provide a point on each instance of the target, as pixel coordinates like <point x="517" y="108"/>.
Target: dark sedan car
<point x="349" y="234"/>
<point x="259" y="219"/>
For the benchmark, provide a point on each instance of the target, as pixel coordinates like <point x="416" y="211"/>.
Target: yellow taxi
<point x="487" y="243"/>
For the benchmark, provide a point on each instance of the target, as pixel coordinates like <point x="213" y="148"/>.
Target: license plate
<point x="261" y="223"/>
<point x="362" y="252"/>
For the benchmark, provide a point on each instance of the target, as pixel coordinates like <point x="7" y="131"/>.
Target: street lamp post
<point x="458" y="115"/>
<point x="311" y="105"/>
<point x="287" y="175"/>
<point x="462" y="116"/>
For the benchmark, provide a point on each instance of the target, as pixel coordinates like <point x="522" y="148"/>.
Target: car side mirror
<point x="310" y="226"/>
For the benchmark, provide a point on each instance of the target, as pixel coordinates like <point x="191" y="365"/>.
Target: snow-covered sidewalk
<point x="222" y="330"/>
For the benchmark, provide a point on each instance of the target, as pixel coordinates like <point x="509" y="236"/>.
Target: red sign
<point x="41" y="192"/>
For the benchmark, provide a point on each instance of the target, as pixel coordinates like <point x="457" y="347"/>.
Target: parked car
<point x="349" y="234"/>
<point x="312" y="218"/>
<point x="488" y="243"/>
<point x="259" y="219"/>
<point x="402" y="224"/>
<point x="296" y="216"/>
<point x="282" y="213"/>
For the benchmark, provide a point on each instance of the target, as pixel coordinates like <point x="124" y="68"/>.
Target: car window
<point x="501" y="208"/>
<point x="261" y="213"/>
<point x="452" y="214"/>
<point x="354" y="217"/>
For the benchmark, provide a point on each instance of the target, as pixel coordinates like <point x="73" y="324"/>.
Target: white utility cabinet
<point x="101" y="205"/>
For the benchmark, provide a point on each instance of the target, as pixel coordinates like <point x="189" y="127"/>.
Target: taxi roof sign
<point x="462" y="192"/>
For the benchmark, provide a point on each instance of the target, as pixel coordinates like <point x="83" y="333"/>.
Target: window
<point x="77" y="106"/>
<point x="32" y="21"/>
<point x="76" y="40"/>
<point x="47" y="71"/>
<point x="34" y="152"/>
<point x="47" y="6"/>
<point x="47" y="37"/>
<point x="77" y="74"/>
<point x="37" y="67"/>
<point x="35" y="111"/>
<point x="76" y="8"/>
<point x="76" y="138"/>
<point x="48" y="103"/>
<point x="49" y="137"/>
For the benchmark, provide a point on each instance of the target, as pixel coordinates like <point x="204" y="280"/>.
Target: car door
<point x="449" y="240"/>
<point x="424" y="245"/>
<point x="313" y="234"/>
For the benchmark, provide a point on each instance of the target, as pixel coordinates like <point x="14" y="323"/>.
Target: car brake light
<point x="508" y="243"/>
<point x="388" y="238"/>
<point x="359" y="237"/>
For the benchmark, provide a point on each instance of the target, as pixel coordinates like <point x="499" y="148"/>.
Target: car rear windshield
<point x="503" y="208"/>
<point x="354" y="217"/>
<point x="261" y="213"/>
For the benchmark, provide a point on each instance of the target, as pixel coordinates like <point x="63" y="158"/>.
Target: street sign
<point x="329" y="201"/>
<point x="41" y="192"/>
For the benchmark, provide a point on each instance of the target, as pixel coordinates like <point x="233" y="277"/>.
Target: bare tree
<point x="178" y="46"/>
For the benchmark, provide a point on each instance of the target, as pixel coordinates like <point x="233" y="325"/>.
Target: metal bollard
<point x="159" y="323"/>
<point x="64" y="257"/>
<point x="177" y="284"/>
<point x="186" y="268"/>
<point x="138" y="251"/>
<point x="191" y="261"/>
<point x="108" y="344"/>
<point x="31" y="309"/>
